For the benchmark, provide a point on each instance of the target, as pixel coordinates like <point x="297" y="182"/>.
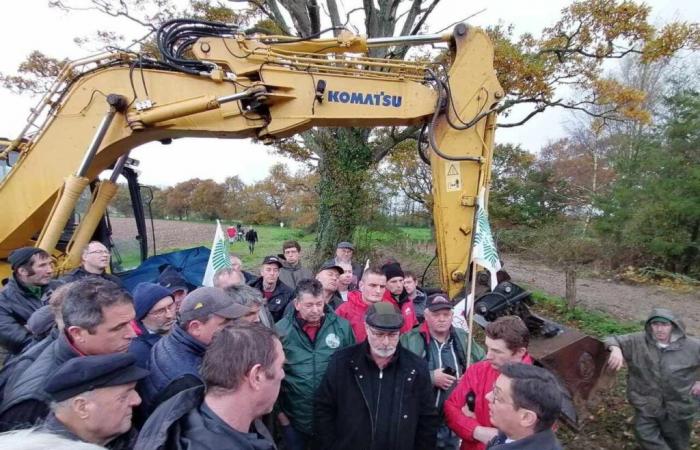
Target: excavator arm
<point x="266" y="88"/>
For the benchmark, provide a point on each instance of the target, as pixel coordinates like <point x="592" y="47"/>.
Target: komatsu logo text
<point x="361" y="98"/>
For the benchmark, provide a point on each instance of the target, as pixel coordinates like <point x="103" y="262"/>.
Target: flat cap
<point x="330" y="265"/>
<point x="22" y="255"/>
<point x="272" y="259"/>
<point x="384" y="316"/>
<point x="346" y="244"/>
<point x="85" y="373"/>
<point x="205" y="301"/>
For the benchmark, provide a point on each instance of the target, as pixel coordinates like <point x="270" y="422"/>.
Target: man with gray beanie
<point x="155" y="316"/>
<point x="376" y="395"/>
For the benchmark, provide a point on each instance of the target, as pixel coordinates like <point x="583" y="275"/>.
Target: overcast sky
<point x="31" y="25"/>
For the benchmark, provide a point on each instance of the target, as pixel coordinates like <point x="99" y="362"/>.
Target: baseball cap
<point x="272" y="259"/>
<point x="438" y="301"/>
<point x="384" y="316"/>
<point x="205" y="301"/>
<point x="330" y="265"/>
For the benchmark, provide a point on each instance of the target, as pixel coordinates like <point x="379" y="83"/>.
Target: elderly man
<point x="237" y="264"/>
<point x="292" y="271"/>
<point x="507" y="339"/>
<point x="93" y="400"/>
<point x="31" y="273"/>
<point x="251" y="299"/>
<point x="226" y="277"/>
<point x="94" y="261"/>
<point x="97" y="317"/>
<point x="376" y="395"/>
<point x="155" y="316"/>
<point x="444" y="348"/>
<point x="524" y="404"/>
<point x="663" y="381"/>
<point x="276" y="293"/>
<point x="310" y="335"/>
<point x="371" y="291"/>
<point x="239" y="390"/>
<point x="175" y="359"/>
<point x="329" y="275"/>
<point x="343" y="254"/>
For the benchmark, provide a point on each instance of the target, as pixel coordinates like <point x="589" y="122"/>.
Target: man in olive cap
<point x="32" y="270"/>
<point x="343" y="254"/>
<point x="376" y="394"/>
<point x="93" y="400"/>
<point x="663" y="382"/>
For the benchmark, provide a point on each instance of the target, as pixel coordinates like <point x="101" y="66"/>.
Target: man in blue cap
<point x="663" y="381"/>
<point x="93" y="400"/>
<point x="155" y="316"/>
<point x="32" y="270"/>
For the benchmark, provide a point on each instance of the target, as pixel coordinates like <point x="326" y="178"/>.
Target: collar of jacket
<point x="34" y="291"/>
<point x="362" y="357"/>
<point x="543" y="440"/>
<point x="184" y="338"/>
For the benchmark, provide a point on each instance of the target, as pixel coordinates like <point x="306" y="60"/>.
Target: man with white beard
<point x="376" y="395"/>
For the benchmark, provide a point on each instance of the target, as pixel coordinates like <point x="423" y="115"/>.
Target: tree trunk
<point x="570" y="287"/>
<point x="344" y="172"/>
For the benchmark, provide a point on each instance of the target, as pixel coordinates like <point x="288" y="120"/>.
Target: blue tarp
<point x="192" y="263"/>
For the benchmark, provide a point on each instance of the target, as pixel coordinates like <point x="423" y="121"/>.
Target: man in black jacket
<point x="276" y="294"/>
<point x="31" y="273"/>
<point x="94" y="261"/>
<point x="97" y="317"/>
<point x="240" y="389"/>
<point x="524" y="404"/>
<point x="376" y="395"/>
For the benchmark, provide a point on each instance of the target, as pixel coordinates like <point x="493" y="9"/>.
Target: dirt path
<point x="618" y="299"/>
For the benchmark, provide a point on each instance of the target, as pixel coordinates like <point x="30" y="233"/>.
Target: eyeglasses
<point x="160" y="312"/>
<point x="497" y="397"/>
<point x="98" y="252"/>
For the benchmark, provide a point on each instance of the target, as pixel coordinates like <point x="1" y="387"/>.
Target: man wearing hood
<point x="292" y="271"/>
<point x="663" y="380"/>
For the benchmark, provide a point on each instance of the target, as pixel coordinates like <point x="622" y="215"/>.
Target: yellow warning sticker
<point x="453" y="176"/>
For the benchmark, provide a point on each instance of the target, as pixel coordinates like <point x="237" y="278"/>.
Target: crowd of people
<point x="346" y="357"/>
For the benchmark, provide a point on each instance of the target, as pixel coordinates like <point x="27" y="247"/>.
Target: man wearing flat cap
<point x="276" y="293"/>
<point x="663" y="380"/>
<point x="31" y="273"/>
<point x="155" y="317"/>
<point x="343" y="254"/>
<point x="93" y="400"/>
<point x="376" y="395"/>
<point x="444" y="348"/>
<point x="175" y="359"/>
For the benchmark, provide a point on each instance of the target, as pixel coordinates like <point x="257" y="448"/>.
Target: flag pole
<point x="470" y="305"/>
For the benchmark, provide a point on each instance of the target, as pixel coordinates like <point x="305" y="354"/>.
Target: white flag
<point x="461" y="311"/>
<point x="484" y="252"/>
<point x="218" y="258"/>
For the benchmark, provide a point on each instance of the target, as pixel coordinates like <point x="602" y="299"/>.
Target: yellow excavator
<point x="213" y="80"/>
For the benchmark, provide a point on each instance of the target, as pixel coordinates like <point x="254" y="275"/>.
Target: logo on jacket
<point x="332" y="341"/>
<point x="278" y="301"/>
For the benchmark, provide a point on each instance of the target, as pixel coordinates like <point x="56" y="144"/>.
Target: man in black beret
<point x="32" y="270"/>
<point x="376" y="394"/>
<point x="93" y="400"/>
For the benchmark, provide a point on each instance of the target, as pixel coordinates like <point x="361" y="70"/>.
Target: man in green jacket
<point x="444" y="347"/>
<point x="663" y="381"/>
<point x="310" y="334"/>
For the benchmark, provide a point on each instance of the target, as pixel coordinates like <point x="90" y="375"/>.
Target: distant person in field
<point x="94" y="261"/>
<point x="251" y="238"/>
<point x="663" y="380"/>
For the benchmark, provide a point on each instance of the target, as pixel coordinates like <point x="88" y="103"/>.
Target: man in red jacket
<point x="396" y="293"/>
<point x="372" y="287"/>
<point x="507" y="339"/>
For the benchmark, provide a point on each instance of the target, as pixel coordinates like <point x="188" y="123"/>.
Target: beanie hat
<point x="392" y="270"/>
<point x="173" y="279"/>
<point x="146" y="295"/>
<point x="22" y="255"/>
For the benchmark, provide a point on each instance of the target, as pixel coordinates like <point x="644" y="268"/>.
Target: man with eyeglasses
<point x="155" y="316"/>
<point x="376" y="395"/>
<point x="524" y="404"/>
<point x="94" y="262"/>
